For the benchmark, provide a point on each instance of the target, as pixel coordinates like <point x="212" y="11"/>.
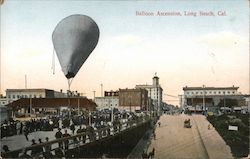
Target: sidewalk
<point x="19" y="141"/>
<point x="215" y="145"/>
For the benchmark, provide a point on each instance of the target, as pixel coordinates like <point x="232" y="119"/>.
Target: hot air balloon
<point x="74" y="38"/>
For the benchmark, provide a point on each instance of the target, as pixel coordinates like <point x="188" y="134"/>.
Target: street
<point x="174" y="141"/>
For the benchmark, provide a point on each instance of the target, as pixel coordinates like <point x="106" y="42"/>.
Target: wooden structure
<point x="36" y="103"/>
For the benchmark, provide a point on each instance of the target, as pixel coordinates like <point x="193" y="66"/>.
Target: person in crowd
<point x="159" y="123"/>
<point x="78" y="132"/>
<point x="66" y="142"/>
<point x="34" y="150"/>
<point x="6" y="148"/>
<point x="41" y="147"/>
<point x="18" y="127"/>
<point x="152" y="153"/>
<point x="4" y="130"/>
<point x="72" y="128"/>
<point x="21" y="128"/>
<point x="209" y="126"/>
<point x="83" y="130"/>
<point x="59" y="135"/>
<point x="26" y="133"/>
<point x="47" y="148"/>
<point x="58" y="153"/>
<point x="24" y="155"/>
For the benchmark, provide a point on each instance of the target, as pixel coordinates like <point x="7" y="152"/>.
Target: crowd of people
<point x="92" y="126"/>
<point x="15" y="127"/>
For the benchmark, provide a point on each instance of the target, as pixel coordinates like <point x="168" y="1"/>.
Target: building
<point x="110" y="99"/>
<point x="212" y="91"/>
<point x="154" y="92"/>
<point x="15" y="94"/>
<point x="3" y="101"/>
<point x="204" y="98"/>
<point x="3" y="109"/>
<point x="25" y="106"/>
<point x="133" y="99"/>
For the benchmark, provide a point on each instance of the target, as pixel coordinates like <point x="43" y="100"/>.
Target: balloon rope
<point x="53" y="67"/>
<point x="69" y="82"/>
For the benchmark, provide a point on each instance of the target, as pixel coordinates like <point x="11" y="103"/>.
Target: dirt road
<point x="174" y="141"/>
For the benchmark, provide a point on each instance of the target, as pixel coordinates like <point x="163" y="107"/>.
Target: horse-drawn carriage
<point x="187" y="123"/>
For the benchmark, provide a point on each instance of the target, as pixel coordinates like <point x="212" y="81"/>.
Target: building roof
<point x="132" y="90"/>
<point x="147" y="86"/>
<point x="53" y="103"/>
<point x="28" y="90"/>
<point x="143" y="85"/>
<point x="209" y="88"/>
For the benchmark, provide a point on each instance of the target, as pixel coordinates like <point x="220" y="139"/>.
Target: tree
<point x="228" y="102"/>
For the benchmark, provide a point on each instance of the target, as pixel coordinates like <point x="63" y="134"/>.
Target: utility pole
<point x="78" y="104"/>
<point x="112" y="113"/>
<point x="89" y="118"/>
<point x="130" y="108"/>
<point x="101" y="90"/>
<point x="204" y="105"/>
<point x="30" y="106"/>
<point x="25" y="81"/>
<point x="94" y="95"/>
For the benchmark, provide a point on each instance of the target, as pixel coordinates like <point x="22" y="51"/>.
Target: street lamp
<point x="204" y="104"/>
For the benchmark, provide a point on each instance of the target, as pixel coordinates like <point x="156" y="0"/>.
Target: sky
<point x="183" y="50"/>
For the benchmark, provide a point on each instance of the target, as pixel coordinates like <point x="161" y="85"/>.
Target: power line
<point x="171" y="95"/>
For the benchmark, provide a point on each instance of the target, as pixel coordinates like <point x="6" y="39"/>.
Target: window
<point x="30" y="96"/>
<point x="219" y="92"/>
<point x="214" y="92"/>
<point x="18" y="96"/>
<point x="223" y="92"/>
<point x="196" y="93"/>
<point x="228" y="92"/>
<point x="187" y="92"/>
<point x="233" y="92"/>
<point x="13" y="96"/>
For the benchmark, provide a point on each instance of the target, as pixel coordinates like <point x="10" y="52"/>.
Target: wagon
<point x="187" y="123"/>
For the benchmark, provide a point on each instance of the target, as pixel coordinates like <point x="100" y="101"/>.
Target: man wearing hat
<point x="58" y="136"/>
